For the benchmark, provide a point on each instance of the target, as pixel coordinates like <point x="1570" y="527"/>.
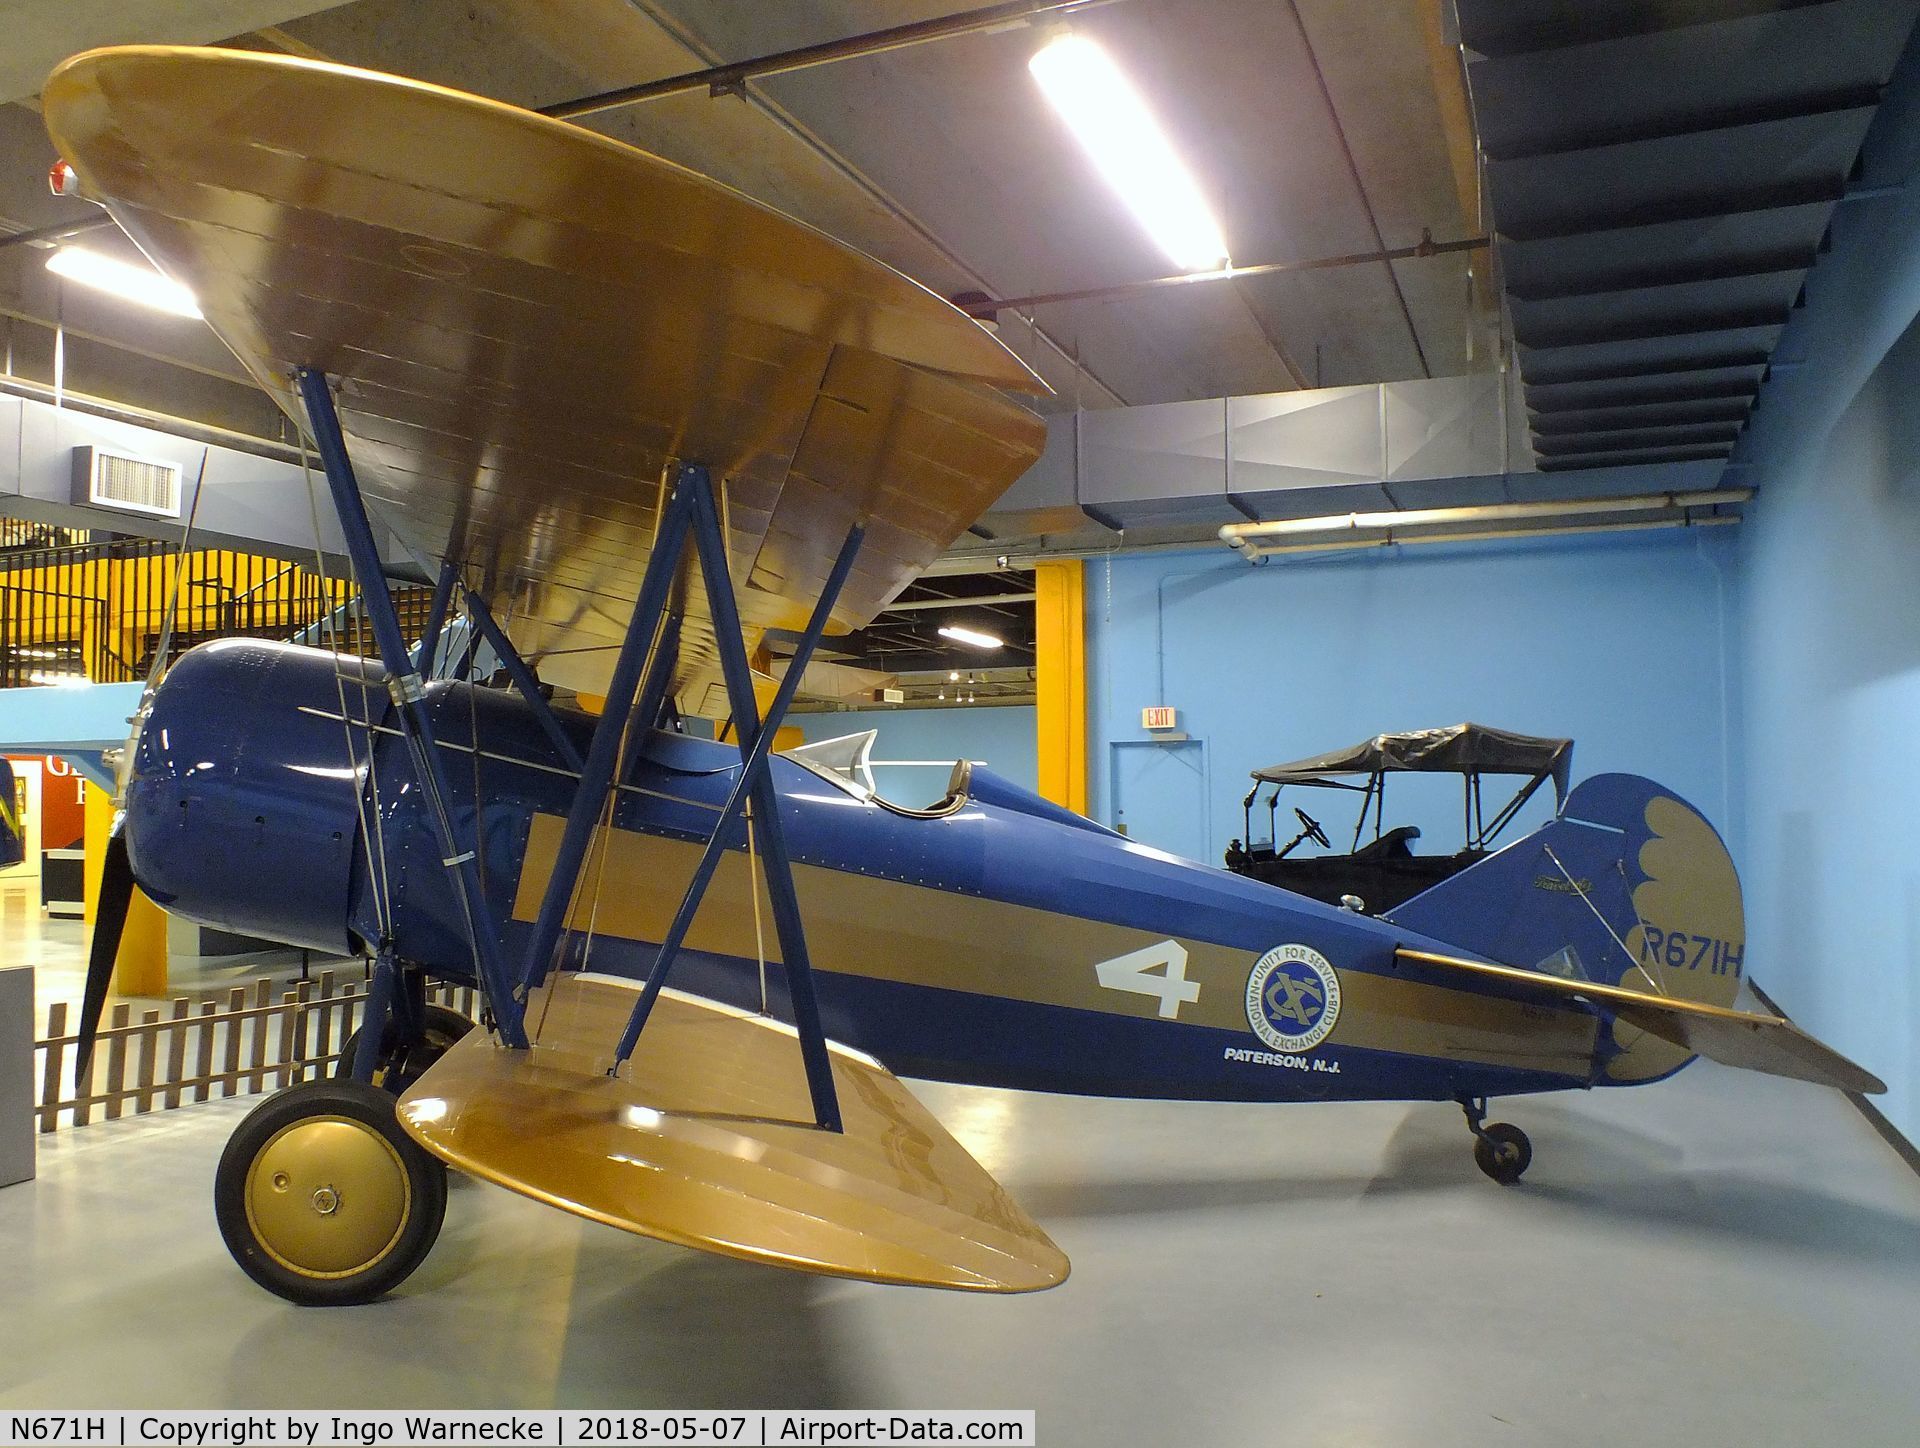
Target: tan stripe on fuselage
<point x="916" y="935"/>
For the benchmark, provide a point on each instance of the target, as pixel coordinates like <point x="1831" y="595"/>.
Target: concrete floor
<point x="1724" y="1258"/>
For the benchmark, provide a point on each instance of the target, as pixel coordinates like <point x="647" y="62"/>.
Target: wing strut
<point x="691" y="512"/>
<point x="755" y="737"/>
<point x="523" y="680"/>
<point x="436" y="618"/>
<point x="409" y="697"/>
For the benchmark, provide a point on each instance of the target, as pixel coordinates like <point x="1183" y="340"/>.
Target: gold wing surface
<point x="528" y="324"/>
<point x="705" y="1138"/>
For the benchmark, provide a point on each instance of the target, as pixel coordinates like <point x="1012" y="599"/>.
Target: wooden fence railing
<point x="249" y="1044"/>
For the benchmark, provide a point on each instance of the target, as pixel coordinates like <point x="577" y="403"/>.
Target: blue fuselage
<point x="999" y="940"/>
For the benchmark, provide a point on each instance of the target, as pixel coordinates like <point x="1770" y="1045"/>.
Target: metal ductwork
<point x="1437" y="443"/>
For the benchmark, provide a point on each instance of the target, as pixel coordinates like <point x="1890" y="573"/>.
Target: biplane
<point x="637" y="428"/>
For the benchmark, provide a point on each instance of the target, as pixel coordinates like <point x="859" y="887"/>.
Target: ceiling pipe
<point x="53" y="235"/>
<point x="679" y="32"/>
<point x="981" y="600"/>
<point x="721" y="80"/>
<point x="1248" y="538"/>
<point x="1255" y="553"/>
<point x="983" y="308"/>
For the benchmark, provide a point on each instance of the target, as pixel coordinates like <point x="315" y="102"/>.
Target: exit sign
<point x="1161" y="716"/>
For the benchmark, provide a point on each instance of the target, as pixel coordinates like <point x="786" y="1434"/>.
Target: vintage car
<point x="1376" y="876"/>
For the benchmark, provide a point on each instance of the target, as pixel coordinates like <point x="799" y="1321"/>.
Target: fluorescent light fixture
<point x="126" y="280"/>
<point x="1112" y="123"/>
<point x="971" y="636"/>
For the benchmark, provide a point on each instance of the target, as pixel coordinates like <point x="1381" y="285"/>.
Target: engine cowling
<point x="242" y="812"/>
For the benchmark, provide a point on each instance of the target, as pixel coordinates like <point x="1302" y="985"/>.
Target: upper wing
<point x="1771" y="1044"/>
<point x="530" y="322"/>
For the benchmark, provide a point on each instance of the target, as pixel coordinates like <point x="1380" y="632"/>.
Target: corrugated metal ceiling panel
<point x="1660" y="177"/>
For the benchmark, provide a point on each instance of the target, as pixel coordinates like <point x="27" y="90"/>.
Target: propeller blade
<point x="109" y="921"/>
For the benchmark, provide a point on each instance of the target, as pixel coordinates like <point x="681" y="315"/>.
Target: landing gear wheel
<point x="1502" y="1152"/>
<point x="323" y="1199"/>
<point x="400" y="1066"/>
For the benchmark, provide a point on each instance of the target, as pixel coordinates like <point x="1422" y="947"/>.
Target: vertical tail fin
<point x="1630" y="886"/>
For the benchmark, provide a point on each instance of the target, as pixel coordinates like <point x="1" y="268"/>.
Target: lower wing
<point x="706" y="1138"/>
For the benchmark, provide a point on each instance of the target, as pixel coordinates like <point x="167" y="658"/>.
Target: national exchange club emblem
<point x="1293" y="998"/>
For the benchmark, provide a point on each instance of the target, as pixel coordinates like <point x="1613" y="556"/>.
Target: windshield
<point x="843" y="761"/>
<point x="833" y="777"/>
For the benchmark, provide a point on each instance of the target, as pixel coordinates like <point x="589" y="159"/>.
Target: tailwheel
<point x="403" y="1063"/>
<point x="1501" y="1151"/>
<point x="323" y="1199"/>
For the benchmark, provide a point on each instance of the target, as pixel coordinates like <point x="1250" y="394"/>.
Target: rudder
<point x="1630" y="885"/>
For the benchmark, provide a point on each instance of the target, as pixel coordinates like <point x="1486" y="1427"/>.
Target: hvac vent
<point x="134" y="485"/>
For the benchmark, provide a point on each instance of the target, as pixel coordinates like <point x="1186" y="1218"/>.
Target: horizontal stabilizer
<point x="1751" y="1041"/>
<point x="706" y="1138"/>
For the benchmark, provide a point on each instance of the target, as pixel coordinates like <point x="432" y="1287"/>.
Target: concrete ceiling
<point x="940" y="159"/>
<point x="42" y="33"/>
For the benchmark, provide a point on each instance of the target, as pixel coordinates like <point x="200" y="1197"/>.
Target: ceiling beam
<point x="1492" y="28"/>
<point x="1601" y="419"/>
<point x="1549" y="338"/>
<point x="1649" y="372"/>
<point x="988" y="306"/>
<point x="980" y="601"/>
<point x="1725" y="118"/>
<point x="730" y="79"/>
<point x="872" y="189"/>
<point x="1689" y="208"/>
<point x="1670" y="274"/>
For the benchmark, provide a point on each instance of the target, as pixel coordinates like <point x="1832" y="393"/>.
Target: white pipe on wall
<point x="1255" y="551"/>
<point x="1243" y="535"/>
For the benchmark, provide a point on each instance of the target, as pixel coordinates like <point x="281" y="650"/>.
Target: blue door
<point x="1160" y="795"/>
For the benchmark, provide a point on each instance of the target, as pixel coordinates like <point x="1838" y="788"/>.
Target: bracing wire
<point x="604" y="830"/>
<point x="165" y="642"/>
<point x="369" y="827"/>
<point x="753" y="889"/>
<point x="1587" y="900"/>
<point x="1660" y="987"/>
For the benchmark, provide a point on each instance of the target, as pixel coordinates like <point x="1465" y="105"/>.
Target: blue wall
<point x="1003" y="737"/>
<point x="1830" y="602"/>
<point x="1619" y="642"/>
<point x="1831" y="574"/>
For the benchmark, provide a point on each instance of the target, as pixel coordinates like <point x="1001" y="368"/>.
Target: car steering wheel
<point x="1312" y="827"/>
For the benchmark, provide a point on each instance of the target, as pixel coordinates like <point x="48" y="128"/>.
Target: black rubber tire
<point x="399" y="1069"/>
<point x="417" y="1219"/>
<point x="1502" y="1152"/>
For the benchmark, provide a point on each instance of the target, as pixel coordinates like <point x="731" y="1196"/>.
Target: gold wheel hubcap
<point x="328" y="1197"/>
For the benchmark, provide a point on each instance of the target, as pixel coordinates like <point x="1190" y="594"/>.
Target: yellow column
<point x="142" y="966"/>
<point x="99" y="819"/>
<point x="1060" y="653"/>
